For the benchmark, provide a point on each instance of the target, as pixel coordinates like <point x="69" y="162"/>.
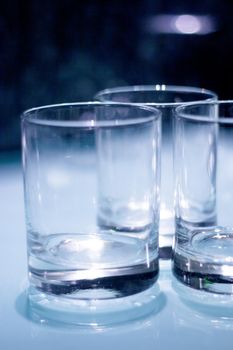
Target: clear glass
<point x="203" y="254"/>
<point x="91" y="178"/>
<point x="165" y="98"/>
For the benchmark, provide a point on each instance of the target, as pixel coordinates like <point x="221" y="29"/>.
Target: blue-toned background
<point x="59" y="51"/>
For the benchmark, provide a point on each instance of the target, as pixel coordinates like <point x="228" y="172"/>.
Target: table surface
<point x="182" y="319"/>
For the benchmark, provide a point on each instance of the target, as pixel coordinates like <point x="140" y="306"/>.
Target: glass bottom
<point x="204" y="310"/>
<point x="122" y="284"/>
<point x="48" y="308"/>
<point x="205" y="261"/>
<point x="92" y="266"/>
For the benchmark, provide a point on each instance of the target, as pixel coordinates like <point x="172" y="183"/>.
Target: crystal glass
<point x="203" y="254"/>
<point x="77" y="157"/>
<point x="165" y="98"/>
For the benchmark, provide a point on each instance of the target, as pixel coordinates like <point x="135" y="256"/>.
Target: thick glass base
<point x="102" y="284"/>
<point x="211" y="283"/>
<point x="50" y="308"/>
<point x="204" y="310"/>
<point x="92" y="266"/>
<point x="205" y="260"/>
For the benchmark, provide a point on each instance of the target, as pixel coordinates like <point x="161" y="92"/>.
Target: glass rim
<point x="180" y="112"/>
<point x="158" y="88"/>
<point x="27" y="115"/>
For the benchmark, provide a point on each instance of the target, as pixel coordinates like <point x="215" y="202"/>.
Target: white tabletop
<point x="181" y="318"/>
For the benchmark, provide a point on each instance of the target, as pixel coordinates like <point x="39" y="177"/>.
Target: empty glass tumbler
<point x="77" y="157"/>
<point x="165" y="98"/>
<point x="203" y="254"/>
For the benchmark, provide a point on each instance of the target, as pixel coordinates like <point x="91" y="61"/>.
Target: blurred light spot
<point x="160" y="87"/>
<point x="188" y="24"/>
<point x="94" y="245"/>
<point x="139" y="205"/>
<point x="57" y="178"/>
<point x="181" y="24"/>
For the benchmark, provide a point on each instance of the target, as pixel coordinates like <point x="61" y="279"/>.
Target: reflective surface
<point x="183" y="317"/>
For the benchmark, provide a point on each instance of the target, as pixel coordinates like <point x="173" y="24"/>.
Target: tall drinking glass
<point x="203" y="254"/>
<point x="72" y="155"/>
<point x="165" y="98"/>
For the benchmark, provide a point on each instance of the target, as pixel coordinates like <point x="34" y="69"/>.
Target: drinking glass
<point x="203" y="253"/>
<point x="73" y="155"/>
<point x="165" y="98"/>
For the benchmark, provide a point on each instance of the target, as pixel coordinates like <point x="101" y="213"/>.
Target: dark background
<point x="64" y="51"/>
